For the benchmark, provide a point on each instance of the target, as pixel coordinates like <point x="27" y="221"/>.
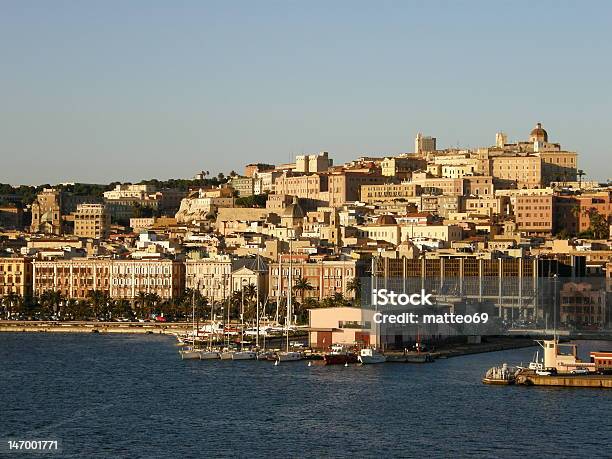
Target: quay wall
<point x="566" y="380"/>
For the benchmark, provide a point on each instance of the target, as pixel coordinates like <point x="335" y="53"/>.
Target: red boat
<point x="340" y="356"/>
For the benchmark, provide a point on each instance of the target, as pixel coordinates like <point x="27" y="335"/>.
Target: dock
<point x="595" y="381"/>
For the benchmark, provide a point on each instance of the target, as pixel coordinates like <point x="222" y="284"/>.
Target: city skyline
<point x="99" y="94"/>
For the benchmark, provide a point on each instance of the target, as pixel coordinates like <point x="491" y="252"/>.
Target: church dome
<point x="386" y="220"/>
<point x="538" y="134"/>
<point x="293" y="210"/>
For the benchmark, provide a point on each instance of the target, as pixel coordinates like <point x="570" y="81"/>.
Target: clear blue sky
<point x="125" y="90"/>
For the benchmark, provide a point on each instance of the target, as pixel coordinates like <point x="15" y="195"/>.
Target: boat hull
<point x="209" y="355"/>
<point x="190" y="355"/>
<point x="244" y="355"/>
<point x="226" y="355"/>
<point x="372" y="359"/>
<point x="290" y="356"/>
<point x="340" y="359"/>
<point x="497" y="382"/>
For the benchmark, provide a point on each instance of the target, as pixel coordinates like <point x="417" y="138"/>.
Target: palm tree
<point x="301" y="285"/>
<point x="12" y="304"/>
<point x="354" y="285"/>
<point x="140" y="304"/>
<point x="151" y="301"/>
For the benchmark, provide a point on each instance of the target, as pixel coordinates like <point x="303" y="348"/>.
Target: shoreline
<point x="94" y="327"/>
<point x="170" y="328"/>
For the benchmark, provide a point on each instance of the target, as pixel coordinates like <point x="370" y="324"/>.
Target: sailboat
<point x="287" y="355"/>
<point x="192" y="353"/>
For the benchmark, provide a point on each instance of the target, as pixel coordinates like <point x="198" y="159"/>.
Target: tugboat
<point x="502" y="376"/>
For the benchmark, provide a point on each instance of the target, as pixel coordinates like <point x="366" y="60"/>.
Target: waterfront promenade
<point x="94" y="327"/>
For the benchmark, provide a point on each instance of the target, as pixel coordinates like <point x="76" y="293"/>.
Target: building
<point x="389" y="192"/>
<point x="326" y="276"/>
<point x="517" y="171"/>
<point x="91" y="221"/>
<point x="73" y="278"/>
<point x="340" y="325"/>
<point x="534" y="214"/>
<point x="47" y="212"/>
<point x="424" y="144"/>
<point x="582" y="305"/>
<point x="15" y="276"/>
<point x="11" y="216"/>
<point x="165" y="278"/>
<point x="402" y="167"/>
<point x="244" y="186"/>
<point x="313" y="163"/>
<point x="121" y="279"/>
<point x="251" y="170"/>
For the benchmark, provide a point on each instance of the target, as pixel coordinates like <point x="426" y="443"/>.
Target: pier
<point x="595" y="381"/>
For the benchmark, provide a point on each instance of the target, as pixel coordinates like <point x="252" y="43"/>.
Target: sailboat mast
<point x="289" y="291"/>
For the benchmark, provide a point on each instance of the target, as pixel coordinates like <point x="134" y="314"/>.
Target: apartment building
<point x="121" y="279"/>
<point x="534" y="214"/>
<point x="388" y="192"/>
<point x="327" y="276"/>
<point x="91" y="221"/>
<point x="517" y="171"/>
<point x="401" y="167"/>
<point x="15" y="276"/>
<point x="73" y="278"/>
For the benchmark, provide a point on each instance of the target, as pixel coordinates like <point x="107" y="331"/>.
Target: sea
<point x="108" y="396"/>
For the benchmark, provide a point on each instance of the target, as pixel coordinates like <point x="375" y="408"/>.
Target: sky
<point x="101" y="91"/>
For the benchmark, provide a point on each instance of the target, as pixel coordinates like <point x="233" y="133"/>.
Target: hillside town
<point x="517" y="211"/>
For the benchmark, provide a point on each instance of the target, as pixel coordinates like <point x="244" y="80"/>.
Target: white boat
<point x="289" y="356"/>
<point x="209" y="355"/>
<point x="369" y="356"/>
<point x="227" y="355"/>
<point x="244" y="355"/>
<point x="190" y="354"/>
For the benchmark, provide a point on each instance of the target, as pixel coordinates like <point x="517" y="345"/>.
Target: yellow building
<point x="15" y="276"/>
<point x="91" y="221"/>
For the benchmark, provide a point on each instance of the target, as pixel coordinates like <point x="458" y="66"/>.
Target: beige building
<point x="73" y="278"/>
<point x="517" y="171"/>
<point x="46" y="212"/>
<point x="313" y="163"/>
<point x="423" y="144"/>
<point x="488" y="205"/>
<point x="165" y="278"/>
<point x="341" y="325"/>
<point x="389" y="192"/>
<point x="15" y="276"/>
<point x="91" y="221"/>
<point x="326" y="276"/>
<point x="534" y="214"/>
<point x="402" y="167"/>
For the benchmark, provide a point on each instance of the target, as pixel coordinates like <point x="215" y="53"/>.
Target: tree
<point x="598" y="224"/>
<point x="301" y="285"/>
<point x="354" y="285"/>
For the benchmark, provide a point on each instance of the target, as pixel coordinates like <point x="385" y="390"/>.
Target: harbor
<point x="560" y="366"/>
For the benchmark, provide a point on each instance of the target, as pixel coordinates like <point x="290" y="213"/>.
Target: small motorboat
<point x="369" y="356"/>
<point x="289" y="356"/>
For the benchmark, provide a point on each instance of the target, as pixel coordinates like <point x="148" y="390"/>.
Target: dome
<point x="386" y="220"/>
<point x="293" y="210"/>
<point x="538" y="134"/>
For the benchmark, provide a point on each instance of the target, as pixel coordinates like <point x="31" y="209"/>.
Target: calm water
<point x="132" y="396"/>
